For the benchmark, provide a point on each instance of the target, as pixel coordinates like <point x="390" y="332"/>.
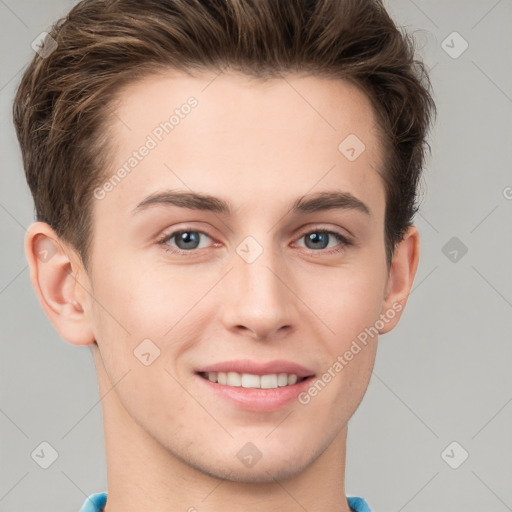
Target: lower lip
<point x="255" y="399"/>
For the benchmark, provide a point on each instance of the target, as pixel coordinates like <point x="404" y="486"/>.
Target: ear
<point x="60" y="282"/>
<point x="401" y="276"/>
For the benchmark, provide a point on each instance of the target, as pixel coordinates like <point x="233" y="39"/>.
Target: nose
<point x="259" y="299"/>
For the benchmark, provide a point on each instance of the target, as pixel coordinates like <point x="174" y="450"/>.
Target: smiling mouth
<point x="249" y="380"/>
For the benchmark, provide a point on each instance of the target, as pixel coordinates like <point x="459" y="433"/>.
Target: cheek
<point x="351" y="311"/>
<point x="143" y="315"/>
<point x="142" y="302"/>
<point x="349" y="304"/>
<point x="347" y="300"/>
<point x="135" y="314"/>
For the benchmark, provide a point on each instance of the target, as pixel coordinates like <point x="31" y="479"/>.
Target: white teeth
<point x="234" y="379"/>
<point x="249" y="380"/>
<point x="269" y="381"/>
<point x="282" y="379"/>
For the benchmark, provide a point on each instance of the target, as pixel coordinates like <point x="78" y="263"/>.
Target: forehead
<point x="229" y="135"/>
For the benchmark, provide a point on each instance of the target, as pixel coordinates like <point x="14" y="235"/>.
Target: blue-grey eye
<point x="320" y="239"/>
<point x="186" y="240"/>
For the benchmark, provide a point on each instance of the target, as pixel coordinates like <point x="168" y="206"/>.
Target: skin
<point x="170" y="445"/>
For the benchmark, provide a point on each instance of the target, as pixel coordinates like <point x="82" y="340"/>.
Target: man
<point x="225" y="192"/>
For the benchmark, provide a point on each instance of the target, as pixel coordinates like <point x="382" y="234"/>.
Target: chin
<point x="271" y="467"/>
<point x="258" y="474"/>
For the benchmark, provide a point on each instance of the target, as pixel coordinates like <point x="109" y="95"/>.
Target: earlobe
<point x="401" y="277"/>
<point x="54" y="276"/>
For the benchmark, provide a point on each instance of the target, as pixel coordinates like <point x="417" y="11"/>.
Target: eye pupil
<point x="187" y="237"/>
<point x="317" y="237"/>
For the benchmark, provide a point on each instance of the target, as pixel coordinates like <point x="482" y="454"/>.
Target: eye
<point x="186" y="240"/>
<point x="320" y="239"/>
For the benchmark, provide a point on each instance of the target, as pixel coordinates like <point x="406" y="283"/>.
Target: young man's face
<point x="245" y="285"/>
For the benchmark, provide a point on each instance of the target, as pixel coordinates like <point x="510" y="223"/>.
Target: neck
<point x="144" y="475"/>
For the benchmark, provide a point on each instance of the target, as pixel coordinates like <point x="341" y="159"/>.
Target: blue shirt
<point x="96" y="502"/>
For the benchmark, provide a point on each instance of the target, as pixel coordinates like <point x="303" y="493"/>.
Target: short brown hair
<point x="61" y="109"/>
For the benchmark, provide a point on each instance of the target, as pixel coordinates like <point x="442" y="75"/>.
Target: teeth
<point x="270" y="381"/>
<point x="249" y="380"/>
<point x="282" y="379"/>
<point x="234" y="379"/>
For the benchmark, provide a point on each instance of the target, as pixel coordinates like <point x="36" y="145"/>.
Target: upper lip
<point x="258" y="368"/>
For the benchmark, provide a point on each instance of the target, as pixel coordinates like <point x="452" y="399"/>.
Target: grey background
<point x="442" y="376"/>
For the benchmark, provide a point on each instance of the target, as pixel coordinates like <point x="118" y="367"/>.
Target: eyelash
<point x="344" y="241"/>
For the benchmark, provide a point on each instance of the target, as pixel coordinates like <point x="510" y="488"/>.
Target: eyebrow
<point x="311" y="203"/>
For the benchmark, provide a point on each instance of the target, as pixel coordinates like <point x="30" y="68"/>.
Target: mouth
<point x="251" y="380"/>
<point x="255" y="387"/>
